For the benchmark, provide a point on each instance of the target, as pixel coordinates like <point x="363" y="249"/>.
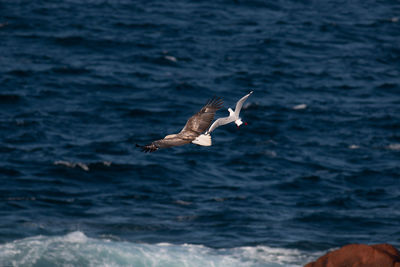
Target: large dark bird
<point x="195" y="126"/>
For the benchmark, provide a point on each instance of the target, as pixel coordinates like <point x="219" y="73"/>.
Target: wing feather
<point x="220" y="122"/>
<point x="177" y="140"/>
<point x="199" y="122"/>
<point x="239" y="104"/>
<point x="170" y="142"/>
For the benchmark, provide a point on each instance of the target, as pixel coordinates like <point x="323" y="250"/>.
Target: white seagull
<point x="205" y="139"/>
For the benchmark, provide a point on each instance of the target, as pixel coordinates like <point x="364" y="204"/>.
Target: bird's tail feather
<point x="203" y="140"/>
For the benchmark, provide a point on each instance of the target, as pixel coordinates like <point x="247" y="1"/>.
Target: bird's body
<point x="195" y="126"/>
<point x="205" y="139"/>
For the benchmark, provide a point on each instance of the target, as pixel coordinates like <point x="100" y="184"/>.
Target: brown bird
<point x="195" y="126"/>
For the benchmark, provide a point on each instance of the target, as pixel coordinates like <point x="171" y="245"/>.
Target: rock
<point x="358" y="255"/>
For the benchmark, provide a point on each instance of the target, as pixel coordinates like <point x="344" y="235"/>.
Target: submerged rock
<point x="381" y="255"/>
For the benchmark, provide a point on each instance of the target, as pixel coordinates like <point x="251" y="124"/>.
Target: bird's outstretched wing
<point x="239" y="104"/>
<point x="220" y="122"/>
<point x="199" y="122"/>
<point x="174" y="140"/>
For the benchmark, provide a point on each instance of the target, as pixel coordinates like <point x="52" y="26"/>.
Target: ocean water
<point x="83" y="81"/>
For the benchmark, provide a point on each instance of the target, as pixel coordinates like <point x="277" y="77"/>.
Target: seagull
<point x="205" y="139"/>
<point x="195" y="126"/>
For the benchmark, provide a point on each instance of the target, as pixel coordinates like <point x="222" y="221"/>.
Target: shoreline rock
<point x="357" y="255"/>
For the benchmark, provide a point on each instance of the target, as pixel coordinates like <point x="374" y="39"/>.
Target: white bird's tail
<point x="203" y="140"/>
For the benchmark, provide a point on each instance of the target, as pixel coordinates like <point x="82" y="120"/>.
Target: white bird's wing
<point x="239" y="104"/>
<point x="220" y="122"/>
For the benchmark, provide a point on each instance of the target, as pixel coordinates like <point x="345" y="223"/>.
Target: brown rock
<point x="358" y="255"/>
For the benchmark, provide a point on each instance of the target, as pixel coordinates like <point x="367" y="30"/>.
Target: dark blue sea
<point x="83" y="81"/>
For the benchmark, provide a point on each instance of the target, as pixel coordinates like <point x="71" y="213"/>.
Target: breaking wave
<point x="76" y="249"/>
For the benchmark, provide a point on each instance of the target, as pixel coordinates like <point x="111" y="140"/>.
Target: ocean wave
<point x="83" y="166"/>
<point x="77" y="249"/>
<point x="299" y="107"/>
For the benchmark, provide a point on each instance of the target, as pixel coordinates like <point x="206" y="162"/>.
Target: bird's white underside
<point x="203" y="140"/>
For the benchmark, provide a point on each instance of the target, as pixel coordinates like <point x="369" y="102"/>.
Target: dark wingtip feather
<point x="215" y="102"/>
<point x="148" y="148"/>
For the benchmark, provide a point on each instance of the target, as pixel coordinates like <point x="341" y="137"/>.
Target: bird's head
<point x="231" y="112"/>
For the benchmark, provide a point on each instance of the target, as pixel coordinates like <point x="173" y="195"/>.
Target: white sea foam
<point x="83" y="166"/>
<point x="171" y="58"/>
<point x="395" y="147"/>
<point x="76" y="249"/>
<point x="301" y="106"/>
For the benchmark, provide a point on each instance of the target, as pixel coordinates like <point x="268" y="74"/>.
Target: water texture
<point x="317" y="166"/>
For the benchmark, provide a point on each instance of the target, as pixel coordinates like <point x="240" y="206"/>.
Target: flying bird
<point x="195" y="126"/>
<point x="205" y="139"/>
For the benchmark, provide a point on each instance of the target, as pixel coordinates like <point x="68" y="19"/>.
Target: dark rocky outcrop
<point x="358" y="255"/>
